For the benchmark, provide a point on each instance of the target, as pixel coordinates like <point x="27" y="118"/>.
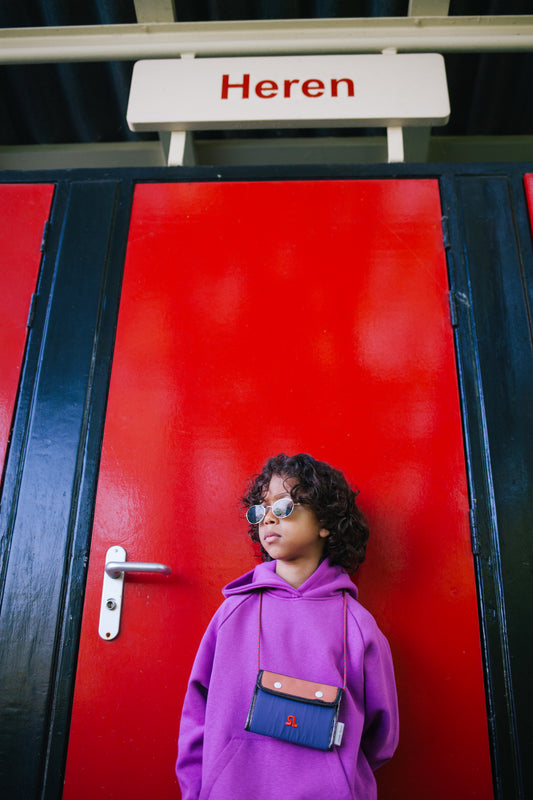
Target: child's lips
<point x="271" y="537"/>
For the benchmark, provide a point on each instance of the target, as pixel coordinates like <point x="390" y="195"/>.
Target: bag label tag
<point x="339" y="730"/>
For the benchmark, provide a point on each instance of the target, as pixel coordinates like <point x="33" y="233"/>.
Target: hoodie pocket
<point x="224" y="776"/>
<point x="260" y="768"/>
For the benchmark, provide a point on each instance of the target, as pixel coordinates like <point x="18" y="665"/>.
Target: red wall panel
<point x="24" y="208"/>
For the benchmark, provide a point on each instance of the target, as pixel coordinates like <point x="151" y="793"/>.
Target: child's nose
<point x="270" y="517"/>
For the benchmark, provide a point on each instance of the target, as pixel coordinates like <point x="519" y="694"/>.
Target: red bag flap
<point x="295" y="687"/>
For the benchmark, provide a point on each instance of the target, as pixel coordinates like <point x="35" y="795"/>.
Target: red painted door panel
<point x="528" y="182"/>
<point x="24" y="209"/>
<point x="265" y="317"/>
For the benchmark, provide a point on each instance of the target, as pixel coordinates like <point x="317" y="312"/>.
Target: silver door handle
<point x="115" y="568"/>
<point x="115" y="571"/>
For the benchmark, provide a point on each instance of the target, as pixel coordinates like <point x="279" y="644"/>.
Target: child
<point x="296" y="613"/>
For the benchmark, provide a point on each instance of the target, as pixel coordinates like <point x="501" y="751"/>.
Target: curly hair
<point x="325" y="490"/>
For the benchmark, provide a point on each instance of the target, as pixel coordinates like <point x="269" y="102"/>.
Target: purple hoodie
<point x="301" y="636"/>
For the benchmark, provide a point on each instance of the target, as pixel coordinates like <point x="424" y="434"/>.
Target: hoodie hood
<point x="325" y="581"/>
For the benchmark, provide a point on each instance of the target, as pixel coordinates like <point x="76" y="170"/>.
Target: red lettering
<point x="287" y="87"/>
<point x="349" y="86"/>
<point x="291" y="721"/>
<point x="266" y="89"/>
<point x="245" y="86"/>
<point x="313" y="88"/>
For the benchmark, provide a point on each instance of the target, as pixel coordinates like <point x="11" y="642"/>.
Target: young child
<point x="298" y="614"/>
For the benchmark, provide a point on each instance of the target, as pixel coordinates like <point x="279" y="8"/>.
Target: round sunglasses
<point x="281" y="509"/>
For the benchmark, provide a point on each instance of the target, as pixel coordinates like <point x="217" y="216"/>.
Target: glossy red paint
<point x="24" y="209"/>
<point x="528" y="183"/>
<point x="267" y="317"/>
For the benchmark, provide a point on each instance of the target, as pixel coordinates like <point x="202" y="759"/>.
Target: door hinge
<point x="445" y="233"/>
<point x="31" y="313"/>
<point x="455" y="301"/>
<point x="452" y="300"/>
<point x="474" y="532"/>
<point x="44" y="240"/>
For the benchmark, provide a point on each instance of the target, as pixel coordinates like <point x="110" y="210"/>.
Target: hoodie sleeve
<point x="191" y="735"/>
<point x="381" y="729"/>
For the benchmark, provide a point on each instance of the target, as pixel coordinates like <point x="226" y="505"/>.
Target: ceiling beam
<point x="266" y="37"/>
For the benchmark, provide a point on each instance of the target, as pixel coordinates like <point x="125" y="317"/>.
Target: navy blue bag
<point x="297" y="711"/>
<point x="294" y="710"/>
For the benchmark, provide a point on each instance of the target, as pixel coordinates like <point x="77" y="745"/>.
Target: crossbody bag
<point x="295" y="710"/>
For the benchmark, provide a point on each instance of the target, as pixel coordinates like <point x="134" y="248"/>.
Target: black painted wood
<point x="82" y="520"/>
<point x="496" y="362"/>
<point x="44" y="572"/>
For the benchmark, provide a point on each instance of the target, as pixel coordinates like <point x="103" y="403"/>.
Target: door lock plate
<point x="112" y="590"/>
<point x="115" y="570"/>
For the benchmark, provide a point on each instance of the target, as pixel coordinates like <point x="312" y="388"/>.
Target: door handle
<point x="115" y="570"/>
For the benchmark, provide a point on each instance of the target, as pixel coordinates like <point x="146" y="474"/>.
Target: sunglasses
<point x="281" y="509"/>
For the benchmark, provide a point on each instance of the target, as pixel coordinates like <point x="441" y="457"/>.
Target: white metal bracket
<point x="395" y="144"/>
<point x="179" y="145"/>
<point x="180" y="149"/>
<point x="395" y="148"/>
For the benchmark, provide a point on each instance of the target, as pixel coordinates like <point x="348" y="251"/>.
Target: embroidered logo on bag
<point x="291" y="721"/>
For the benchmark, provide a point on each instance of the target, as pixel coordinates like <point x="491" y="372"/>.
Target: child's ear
<point x="323" y="533"/>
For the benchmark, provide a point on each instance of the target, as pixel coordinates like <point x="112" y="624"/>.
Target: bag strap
<point x="345" y="636"/>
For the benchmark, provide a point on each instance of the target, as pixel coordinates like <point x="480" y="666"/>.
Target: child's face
<point x="296" y="538"/>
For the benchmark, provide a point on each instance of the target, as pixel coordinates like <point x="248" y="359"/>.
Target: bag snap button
<point x="277" y="685"/>
<point x="319" y="694"/>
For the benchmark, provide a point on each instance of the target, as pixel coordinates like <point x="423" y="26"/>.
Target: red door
<point x="528" y="183"/>
<point x="24" y="209"/>
<point x="266" y="317"/>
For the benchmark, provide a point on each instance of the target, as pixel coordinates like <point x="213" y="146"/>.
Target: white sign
<point x="298" y="91"/>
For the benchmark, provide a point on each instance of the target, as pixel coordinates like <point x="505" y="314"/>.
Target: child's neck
<point x="296" y="572"/>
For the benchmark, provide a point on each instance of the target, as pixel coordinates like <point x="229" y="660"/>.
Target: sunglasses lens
<point x="282" y="507"/>
<point x="255" y="514"/>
